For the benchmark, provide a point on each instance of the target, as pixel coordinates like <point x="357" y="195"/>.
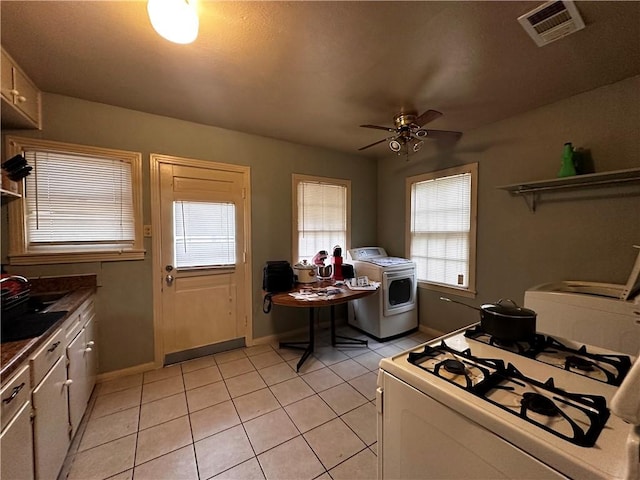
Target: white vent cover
<point x="551" y="21"/>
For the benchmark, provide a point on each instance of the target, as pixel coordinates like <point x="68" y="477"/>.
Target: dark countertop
<point x="14" y="354"/>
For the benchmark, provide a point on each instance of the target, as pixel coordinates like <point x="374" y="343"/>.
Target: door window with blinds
<point x="441" y="225"/>
<point x="79" y="204"/>
<point x="204" y="234"/>
<point x="321" y="215"/>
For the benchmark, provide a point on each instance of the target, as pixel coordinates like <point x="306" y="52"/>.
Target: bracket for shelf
<point x="531" y="199"/>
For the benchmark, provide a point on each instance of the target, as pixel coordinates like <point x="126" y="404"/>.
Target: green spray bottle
<point x="567" y="168"/>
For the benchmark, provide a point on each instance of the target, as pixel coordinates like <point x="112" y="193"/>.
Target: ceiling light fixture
<point x="175" y="20"/>
<point x="395" y="145"/>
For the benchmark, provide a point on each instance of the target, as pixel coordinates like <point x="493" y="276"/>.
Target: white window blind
<point x="322" y="217"/>
<point x="440" y="229"/>
<point x="205" y="234"/>
<point x="76" y="201"/>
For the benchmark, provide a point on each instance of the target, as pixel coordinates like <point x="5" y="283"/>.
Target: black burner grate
<point x="611" y="369"/>
<point x="528" y="398"/>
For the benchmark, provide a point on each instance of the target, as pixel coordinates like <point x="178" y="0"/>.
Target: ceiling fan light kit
<point x="408" y="131"/>
<point x="174" y="20"/>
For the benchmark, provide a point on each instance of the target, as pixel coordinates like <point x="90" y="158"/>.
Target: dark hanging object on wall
<point x="17" y="168"/>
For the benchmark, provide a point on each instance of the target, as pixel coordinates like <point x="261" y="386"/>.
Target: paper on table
<point x="371" y="286"/>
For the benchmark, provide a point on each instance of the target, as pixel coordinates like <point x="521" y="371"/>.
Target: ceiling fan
<point x="408" y="131"/>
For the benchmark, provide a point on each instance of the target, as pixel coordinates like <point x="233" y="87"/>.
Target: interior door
<point x="202" y="259"/>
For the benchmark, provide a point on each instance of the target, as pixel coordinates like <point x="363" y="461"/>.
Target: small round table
<point x="346" y="294"/>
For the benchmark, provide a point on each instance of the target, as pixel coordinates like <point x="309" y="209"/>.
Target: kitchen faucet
<point x="20" y="278"/>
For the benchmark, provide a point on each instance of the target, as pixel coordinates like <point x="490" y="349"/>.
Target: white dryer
<point x="393" y="310"/>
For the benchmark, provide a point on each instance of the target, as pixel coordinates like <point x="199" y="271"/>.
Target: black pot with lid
<point x="505" y="320"/>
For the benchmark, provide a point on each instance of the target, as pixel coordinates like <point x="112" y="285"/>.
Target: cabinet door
<point x="91" y="354"/>
<point x="51" y="422"/>
<point x="16" y="447"/>
<point x="6" y="66"/>
<point x="77" y="373"/>
<point x="28" y="98"/>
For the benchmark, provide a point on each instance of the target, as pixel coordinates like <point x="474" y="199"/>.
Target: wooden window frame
<point x="299" y="178"/>
<point x="472" y="168"/>
<point x="19" y="253"/>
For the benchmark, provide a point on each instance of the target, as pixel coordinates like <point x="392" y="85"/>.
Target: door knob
<point x="169" y="280"/>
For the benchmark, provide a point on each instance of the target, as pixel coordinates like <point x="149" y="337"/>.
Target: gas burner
<point x="458" y="367"/>
<point x="521" y="347"/>
<point x="575" y="417"/>
<point x="607" y="368"/>
<point x="539" y="404"/>
<point x="454" y="366"/>
<point x="578" y="363"/>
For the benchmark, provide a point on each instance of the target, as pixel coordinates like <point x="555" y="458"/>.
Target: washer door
<point x="399" y="290"/>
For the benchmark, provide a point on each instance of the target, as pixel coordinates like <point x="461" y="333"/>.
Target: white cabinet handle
<point x="22" y="99"/>
<point x="88" y="349"/>
<point x="14" y="92"/>
<point x="66" y="383"/>
<point x="91" y="343"/>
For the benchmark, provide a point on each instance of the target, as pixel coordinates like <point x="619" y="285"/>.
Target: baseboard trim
<point x="144" y="367"/>
<point x="430" y="331"/>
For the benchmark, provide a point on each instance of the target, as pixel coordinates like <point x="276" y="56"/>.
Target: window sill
<point x="69" y="257"/>
<point x="462" y="292"/>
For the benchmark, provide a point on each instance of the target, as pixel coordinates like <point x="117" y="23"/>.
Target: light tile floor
<point x="243" y="414"/>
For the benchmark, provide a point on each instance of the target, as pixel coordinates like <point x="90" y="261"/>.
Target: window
<point x="204" y="234"/>
<point x="79" y="204"/>
<point x="321" y="215"/>
<point x="441" y="223"/>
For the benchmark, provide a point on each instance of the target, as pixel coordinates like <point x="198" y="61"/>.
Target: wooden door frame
<point x="155" y="160"/>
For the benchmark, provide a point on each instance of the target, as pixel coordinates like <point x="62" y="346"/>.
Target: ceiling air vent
<point x="551" y="21"/>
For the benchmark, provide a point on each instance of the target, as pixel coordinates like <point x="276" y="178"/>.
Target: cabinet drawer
<point x="77" y="320"/>
<point x="14" y="394"/>
<point x="87" y="310"/>
<point x="46" y="356"/>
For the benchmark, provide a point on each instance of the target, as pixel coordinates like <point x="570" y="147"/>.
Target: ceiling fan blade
<point x="428" y="116"/>
<point x="444" y="134"/>
<point x="374" y="143"/>
<point x="387" y="129"/>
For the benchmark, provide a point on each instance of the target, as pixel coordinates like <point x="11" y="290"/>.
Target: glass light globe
<point x="175" y="20"/>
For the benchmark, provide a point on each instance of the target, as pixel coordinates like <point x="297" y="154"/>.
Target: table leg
<point x="346" y="341"/>
<point x="306" y="346"/>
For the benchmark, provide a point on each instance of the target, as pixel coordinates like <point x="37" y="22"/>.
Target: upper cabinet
<point x="20" y="97"/>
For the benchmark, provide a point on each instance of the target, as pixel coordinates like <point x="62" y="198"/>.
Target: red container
<point x="337" y="268"/>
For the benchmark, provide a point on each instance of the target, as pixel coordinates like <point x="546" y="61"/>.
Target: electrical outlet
<point x="147" y="230"/>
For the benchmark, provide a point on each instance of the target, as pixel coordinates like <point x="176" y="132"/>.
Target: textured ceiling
<point x="312" y="72"/>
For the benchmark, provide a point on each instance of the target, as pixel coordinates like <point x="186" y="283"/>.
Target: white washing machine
<point x="393" y="310"/>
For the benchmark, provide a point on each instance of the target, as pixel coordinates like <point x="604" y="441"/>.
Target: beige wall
<point x="570" y="236"/>
<point x="124" y="305"/>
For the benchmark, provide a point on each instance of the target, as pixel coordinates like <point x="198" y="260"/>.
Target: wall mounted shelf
<point x="7" y="193"/>
<point x="531" y="191"/>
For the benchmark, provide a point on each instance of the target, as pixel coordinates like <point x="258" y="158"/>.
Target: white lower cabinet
<point x="39" y="424"/>
<point x="81" y="353"/>
<point x="51" y="421"/>
<point x="16" y="440"/>
<point x="16" y="445"/>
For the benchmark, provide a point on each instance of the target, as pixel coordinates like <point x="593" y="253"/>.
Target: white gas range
<point x="466" y="406"/>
